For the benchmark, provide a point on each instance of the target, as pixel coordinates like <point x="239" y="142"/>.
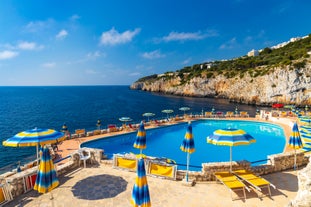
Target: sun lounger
<point x="229" y="114"/>
<point x="126" y="163"/>
<point x="112" y="128"/>
<point x="244" y="114"/>
<point x="161" y="169"/>
<point x="132" y="127"/>
<point x="254" y="181"/>
<point x="80" y="132"/>
<point x="209" y="114"/>
<point x="231" y="182"/>
<point x="157" y="122"/>
<point x="5" y="192"/>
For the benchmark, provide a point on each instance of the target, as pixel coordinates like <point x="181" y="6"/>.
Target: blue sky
<point x="98" y="42"/>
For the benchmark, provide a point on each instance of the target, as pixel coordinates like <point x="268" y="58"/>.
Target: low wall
<point x="18" y="185"/>
<point x="276" y="163"/>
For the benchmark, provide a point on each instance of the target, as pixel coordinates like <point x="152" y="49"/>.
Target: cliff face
<point x="284" y="85"/>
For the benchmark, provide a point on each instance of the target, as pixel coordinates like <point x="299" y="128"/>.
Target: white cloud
<point x="94" y="55"/>
<point x="153" y="54"/>
<point x="35" y="26"/>
<point x="184" y="36"/>
<point x="229" y="45"/>
<point x="49" y="65"/>
<point x="62" y="34"/>
<point x="113" y="37"/>
<point x="7" y="54"/>
<point x="29" y="46"/>
<point x="185" y="62"/>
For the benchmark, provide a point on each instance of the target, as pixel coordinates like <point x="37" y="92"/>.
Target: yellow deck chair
<point x="231" y="182"/>
<point x="254" y="181"/>
<point x="126" y="163"/>
<point x="161" y="169"/>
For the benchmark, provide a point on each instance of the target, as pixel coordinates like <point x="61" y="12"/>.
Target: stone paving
<point x="108" y="187"/>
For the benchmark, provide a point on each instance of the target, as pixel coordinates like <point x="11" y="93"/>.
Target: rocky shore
<point x="283" y="85"/>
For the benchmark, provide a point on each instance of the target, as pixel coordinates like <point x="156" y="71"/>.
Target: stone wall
<point x="19" y="183"/>
<point x="276" y="163"/>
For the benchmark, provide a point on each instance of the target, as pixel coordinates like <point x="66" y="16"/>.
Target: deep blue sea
<point x="23" y="108"/>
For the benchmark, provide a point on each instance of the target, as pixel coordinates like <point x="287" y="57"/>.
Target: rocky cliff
<point x="285" y="85"/>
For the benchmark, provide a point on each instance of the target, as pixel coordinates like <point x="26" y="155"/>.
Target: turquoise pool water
<point x="166" y="141"/>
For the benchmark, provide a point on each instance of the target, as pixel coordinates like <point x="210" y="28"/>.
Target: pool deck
<point x="103" y="185"/>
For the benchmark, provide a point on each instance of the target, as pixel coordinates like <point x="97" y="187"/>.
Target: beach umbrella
<point x="148" y="114"/>
<point x="230" y="137"/>
<point x="305" y="119"/>
<point x="46" y="178"/>
<point x="188" y="146"/>
<point x="305" y="128"/>
<point x="289" y="106"/>
<point x="140" y="142"/>
<point x="306" y="147"/>
<point x="125" y="119"/>
<point x="35" y="137"/>
<point x="167" y="111"/>
<point x="277" y="105"/>
<point x="184" y="109"/>
<point x="295" y="140"/>
<point x="140" y="193"/>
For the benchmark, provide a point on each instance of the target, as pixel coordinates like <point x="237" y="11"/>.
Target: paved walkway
<point x="108" y="187"/>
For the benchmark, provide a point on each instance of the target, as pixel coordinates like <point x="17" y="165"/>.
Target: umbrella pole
<point x="188" y="158"/>
<point x="230" y="158"/>
<point x="37" y="155"/>
<point x="295" y="160"/>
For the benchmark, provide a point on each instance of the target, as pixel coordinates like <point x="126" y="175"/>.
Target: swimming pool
<point x="165" y="142"/>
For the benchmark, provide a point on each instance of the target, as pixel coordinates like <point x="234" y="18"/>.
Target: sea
<point x="79" y="107"/>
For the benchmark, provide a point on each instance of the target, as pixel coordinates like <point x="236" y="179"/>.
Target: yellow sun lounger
<point x="161" y="169"/>
<point x="231" y="182"/>
<point x="254" y="181"/>
<point x="126" y="163"/>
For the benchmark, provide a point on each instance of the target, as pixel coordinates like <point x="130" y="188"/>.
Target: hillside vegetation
<point x="294" y="54"/>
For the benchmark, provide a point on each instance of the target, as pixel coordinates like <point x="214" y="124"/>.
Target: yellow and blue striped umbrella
<point x="295" y="140"/>
<point x="305" y="119"/>
<point x="140" y="142"/>
<point x="34" y="137"/>
<point x="188" y="142"/>
<point x="230" y="137"/>
<point x="188" y="146"/>
<point x="140" y="193"/>
<point x="46" y="179"/>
